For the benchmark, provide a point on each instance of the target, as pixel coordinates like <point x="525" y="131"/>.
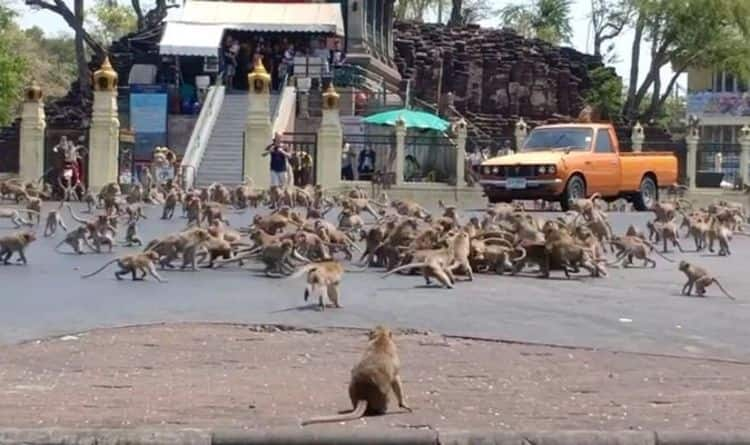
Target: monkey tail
<point x="723" y="290"/>
<point x="303" y="270"/>
<point x="595" y="196"/>
<point x="404" y="267"/>
<point x="74" y="216"/>
<point x="100" y="269"/>
<point x="358" y="412"/>
<point x="523" y="253"/>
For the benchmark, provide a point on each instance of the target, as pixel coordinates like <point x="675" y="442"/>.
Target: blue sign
<point x="148" y="117"/>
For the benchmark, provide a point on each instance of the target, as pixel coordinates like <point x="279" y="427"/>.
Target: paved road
<point x="634" y="310"/>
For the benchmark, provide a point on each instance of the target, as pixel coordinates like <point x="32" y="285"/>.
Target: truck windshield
<point x="558" y="139"/>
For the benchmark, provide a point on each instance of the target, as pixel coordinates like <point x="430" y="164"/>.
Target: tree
<point x="684" y="33"/>
<point x="544" y="19"/>
<point x="110" y="20"/>
<point x="606" y="93"/>
<point x="608" y="19"/>
<point x="12" y="65"/>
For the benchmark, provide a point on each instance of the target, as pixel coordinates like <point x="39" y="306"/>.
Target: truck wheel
<point x="574" y="189"/>
<point x="647" y="194"/>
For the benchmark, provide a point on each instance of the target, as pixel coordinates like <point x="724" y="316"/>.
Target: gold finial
<point x="330" y="97"/>
<point x="105" y="78"/>
<point x="259" y="79"/>
<point x="33" y="92"/>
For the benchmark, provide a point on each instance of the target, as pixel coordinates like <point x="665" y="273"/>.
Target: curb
<point x="154" y="436"/>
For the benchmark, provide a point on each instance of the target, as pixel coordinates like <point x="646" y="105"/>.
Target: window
<point x="603" y="143"/>
<point x="558" y="138"/>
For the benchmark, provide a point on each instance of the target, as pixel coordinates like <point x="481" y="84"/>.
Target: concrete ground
<point x="637" y="310"/>
<point x="231" y="376"/>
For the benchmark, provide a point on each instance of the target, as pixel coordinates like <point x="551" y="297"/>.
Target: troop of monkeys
<point x="400" y="236"/>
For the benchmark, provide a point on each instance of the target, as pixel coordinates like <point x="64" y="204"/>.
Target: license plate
<point x="515" y="183"/>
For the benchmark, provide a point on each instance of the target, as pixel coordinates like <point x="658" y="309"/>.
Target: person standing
<point x="279" y="161"/>
<point x="347" y="163"/>
<point x="366" y="165"/>
<point x="306" y="166"/>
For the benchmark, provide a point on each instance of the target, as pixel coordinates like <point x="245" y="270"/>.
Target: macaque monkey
<point x="373" y="380"/>
<point x="15" y="217"/>
<point x="75" y="239"/>
<point x="131" y="235"/>
<point x="699" y="277"/>
<point x="323" y="280"/>
<point x="130" y="264"/>
<point x="15" y="243"/>
<point x="54" y="219"/>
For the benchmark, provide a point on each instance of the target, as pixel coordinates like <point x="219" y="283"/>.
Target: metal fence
<point x="719" y="158"/>
<point x="429" y="159"/>
<point x="383" y="146"/>
<point x="496" y="145"/>
<point x="307" y="143"/>
<point x="10" y="147"/>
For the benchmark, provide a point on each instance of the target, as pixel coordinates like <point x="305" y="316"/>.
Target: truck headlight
<point x="542" y="170"/>
<point x="551" y="170"/>
<point x="486" y="170"/>
<point x="495" y="170"/>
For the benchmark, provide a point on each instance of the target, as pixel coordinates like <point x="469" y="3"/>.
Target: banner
<point x="148" y="117"/>
<point x="718" y="104"/>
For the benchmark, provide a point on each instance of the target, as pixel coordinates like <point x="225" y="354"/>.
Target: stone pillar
<point x="637" y="137"/>
<point x="522" y="130"/>
<point x="330" y="141"/>
<point x="400" y="150"/>
<point x="258" y="128"/>
<point x="745" y="154"/>
<point x="691" y="140"/>
<point x="31" y="154"/>
<point x="104" y="133"/>
<point x="461" y="153"/>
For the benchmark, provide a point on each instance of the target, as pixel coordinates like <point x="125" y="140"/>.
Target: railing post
<point x="400" y="130"/>
<point x="330" y="141"/>
<point x="522" y="130"/>
<point x="745" y="154"/>
<point x="637" y="137"/>
<point x="104" y="134"/>
<point x="31" y="142"/>
<point x="691" y="141"/>
<point x="258" y="129"/>
<point x="460" y="153"/>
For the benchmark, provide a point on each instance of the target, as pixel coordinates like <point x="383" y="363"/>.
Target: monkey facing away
<point x="699" y="277"/>
<point x="373" y="379"/>
<point x="323" y="279"/>
<point x="15" y="243"/>
<point x="131" y="264"/>
<point x="54" y="219"/>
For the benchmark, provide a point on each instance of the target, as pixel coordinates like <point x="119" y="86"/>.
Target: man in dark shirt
<point x="279" y="159"/>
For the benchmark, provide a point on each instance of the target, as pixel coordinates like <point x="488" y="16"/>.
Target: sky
<point x="581" y="41"/>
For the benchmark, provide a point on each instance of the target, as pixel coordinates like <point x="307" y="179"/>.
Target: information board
<point x="148" y="117"/>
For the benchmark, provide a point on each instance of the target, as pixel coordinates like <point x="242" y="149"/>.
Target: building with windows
<point x="721" y="102"/>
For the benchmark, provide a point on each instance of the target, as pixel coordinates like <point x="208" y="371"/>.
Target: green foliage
<point x="108" y="21"/>
<point x="12" y="65"/>
<point x="606" y="93"/>
<point x="544" y="19"/>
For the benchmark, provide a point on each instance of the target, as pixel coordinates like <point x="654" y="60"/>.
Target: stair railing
<point x="204" y="126"/>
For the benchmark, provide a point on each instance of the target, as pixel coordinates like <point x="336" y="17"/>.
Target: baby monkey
<point x="699" y="277"/>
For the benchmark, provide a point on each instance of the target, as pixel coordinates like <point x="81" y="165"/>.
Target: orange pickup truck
<point x="571" y="161"/>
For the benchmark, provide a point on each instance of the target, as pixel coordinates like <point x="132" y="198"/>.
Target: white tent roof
<point x="269" y="17"/>
<point x="196" y="29"/>
<point x="189" y="39"/>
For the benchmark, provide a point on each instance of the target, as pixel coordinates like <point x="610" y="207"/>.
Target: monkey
<point x="193" y="209"/>
<point x="170" y="203"/>
<point x="33" y="208"/>
<point x="570" y="256"/>
<point x="585" y="206"/>
<point x="668" y="232"/>
<point x="54" y="219"/>
<point x="633" y="231"/>
<point x="75" y="239"/>
<point x="720" y="232"/>
<point x="131" y="235"/>
<point x="699" y="277"/>
<point x="134" y="212"/>
<point x="216" y="248"/>
<point x="171" y="246"/>
<point x="15" y="217"/>
<point x="632" y="246"/>
<point x="90" y="199"/>
<point x="349" y="221"/>
<point x="323" y="280"/>
<point x="16" y="242"/>
<point x="435" y="263"/>
<point x="130" y="264"/>
<point x="409" y="208"/>
<point x="373" y="379"/>
<point x="277" y="258"/>
<point x="311" y="246"/>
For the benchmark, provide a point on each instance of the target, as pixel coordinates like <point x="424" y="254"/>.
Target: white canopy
<point x="190" y="39"/>
<point x="197" y="28"/>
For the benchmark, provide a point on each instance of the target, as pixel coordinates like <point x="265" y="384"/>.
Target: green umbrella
<point x="412" y="119"/>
